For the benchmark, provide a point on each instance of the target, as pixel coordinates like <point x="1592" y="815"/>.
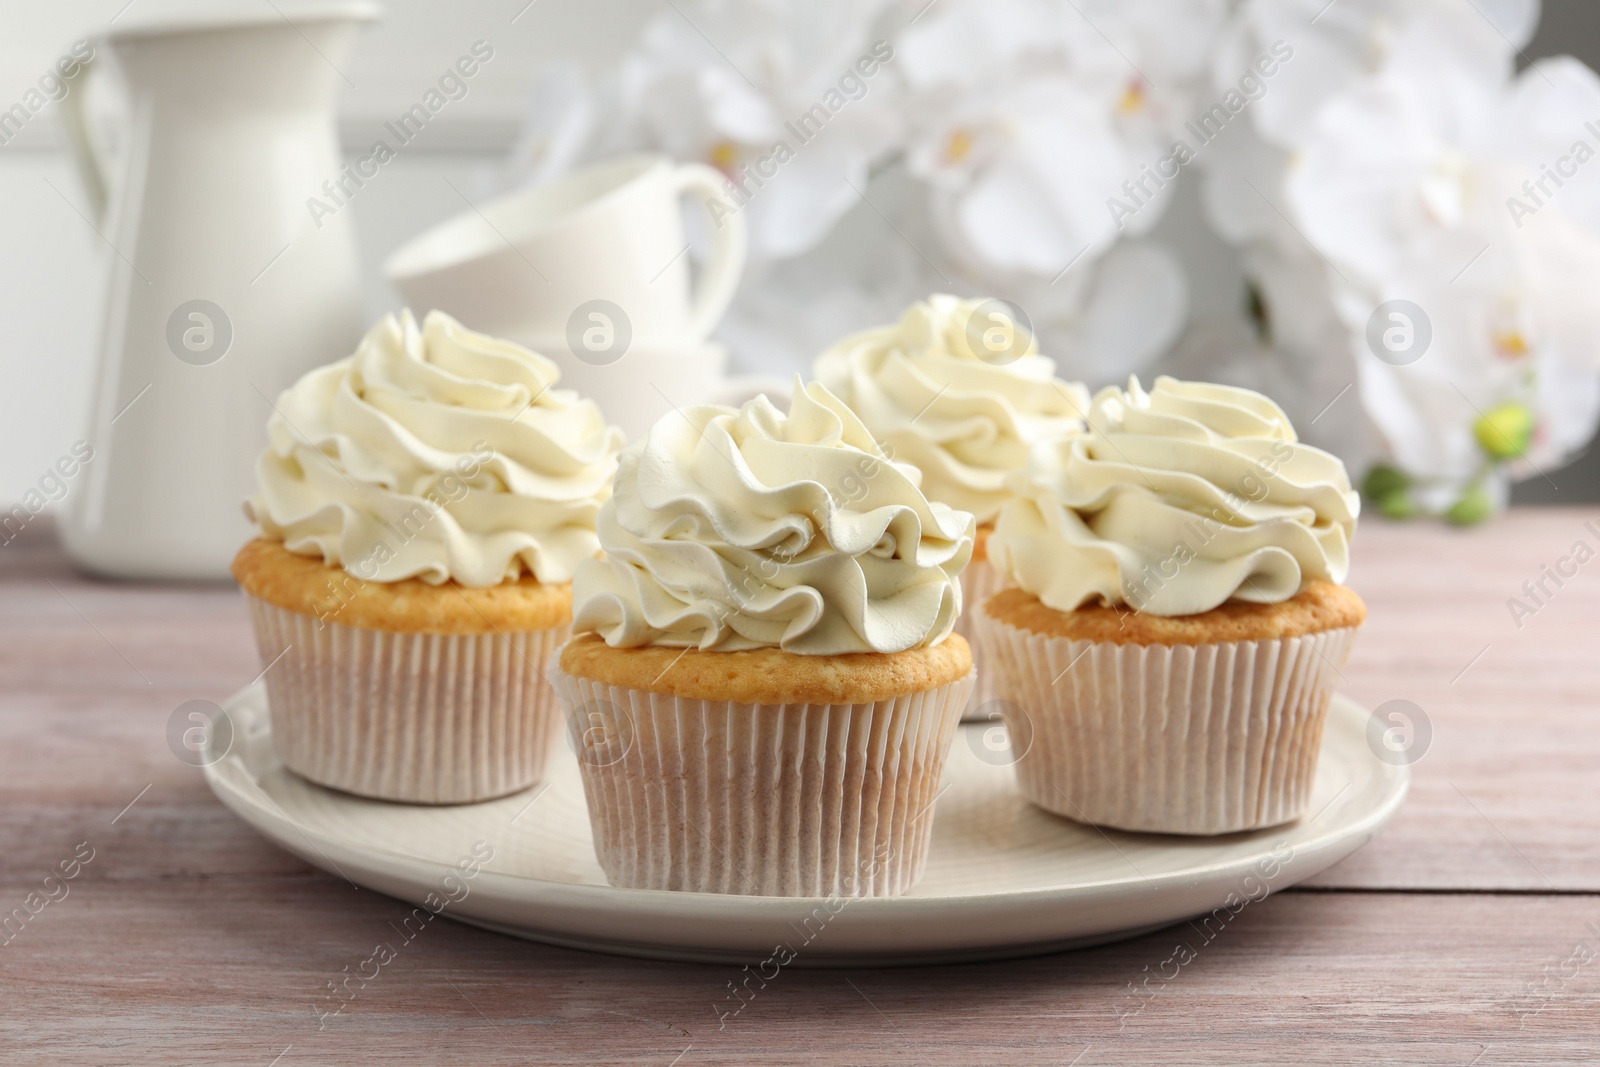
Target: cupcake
<point x="763" y="683"/>
<point x="1167" y="655"/>
<point x="423" y="505"/>
<point x="958" y="390"/>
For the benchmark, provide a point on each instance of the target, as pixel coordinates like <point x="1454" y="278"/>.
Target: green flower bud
<point x="1397" y="504"/>
<point x="1474" y="506"/>
<point x="1384" y="480"/>
<point x="1505" y="430"/>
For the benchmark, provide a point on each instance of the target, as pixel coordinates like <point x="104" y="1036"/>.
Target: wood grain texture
<point x="190" y="939"/>
<point x="236" y="970"/>
<point x="1507" y="795"/>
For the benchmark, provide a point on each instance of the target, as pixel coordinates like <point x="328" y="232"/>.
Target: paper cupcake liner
<point x="1181" y="739"/>
<point x="979" y="581"/>
<point x="421" y="718"/>
<point x="713" y="796"/>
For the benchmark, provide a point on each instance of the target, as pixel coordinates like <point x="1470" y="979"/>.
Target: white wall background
<point x="52" y="264"/>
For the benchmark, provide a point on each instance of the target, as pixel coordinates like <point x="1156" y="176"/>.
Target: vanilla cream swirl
<point x="737" y="529"/>
<point x="436" y="453"/>
<point x="1174" y="502"/>
<point x="957" y="389"/>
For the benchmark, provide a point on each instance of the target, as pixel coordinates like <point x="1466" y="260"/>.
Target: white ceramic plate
<point x="1003" y="878"/>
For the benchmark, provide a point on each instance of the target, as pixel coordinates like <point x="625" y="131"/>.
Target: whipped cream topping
<point x="436" y="453"/>
<point x="737" y="529"/>
<point x="957" y="389"/>
<point x="1174" y="502"/>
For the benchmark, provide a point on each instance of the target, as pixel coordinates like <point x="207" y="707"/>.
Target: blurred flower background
<point x="1383" y="213"/>
<point x="1412" y="201"/>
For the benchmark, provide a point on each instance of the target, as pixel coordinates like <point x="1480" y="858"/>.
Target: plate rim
<point x="226" y="775"/>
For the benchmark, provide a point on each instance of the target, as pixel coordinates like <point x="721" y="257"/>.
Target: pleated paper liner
<point x="1180" y="739"/>
<point x="979" y="581"/>
<point x="421" y="718"/>
<point x="771" y="800"/>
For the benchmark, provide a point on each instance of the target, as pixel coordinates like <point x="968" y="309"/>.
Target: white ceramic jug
<point x="223" y="288"/>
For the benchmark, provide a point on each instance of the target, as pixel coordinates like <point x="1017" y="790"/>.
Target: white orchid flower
<point x="1105" y="324"/>
<point x="725" y="83"/>
<point x="1432" y="183"/>
<point x="1029" y="115"/>
<point x="1025" y="185"/>
<point x="1339" y="45"/>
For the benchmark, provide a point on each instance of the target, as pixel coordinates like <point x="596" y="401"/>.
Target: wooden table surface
<point x="1468" y="933"/>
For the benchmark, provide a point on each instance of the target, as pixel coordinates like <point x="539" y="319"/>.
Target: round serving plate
<point x="1003" y="878"/>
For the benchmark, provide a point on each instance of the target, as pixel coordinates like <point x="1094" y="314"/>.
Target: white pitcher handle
<point x="75" y="119"/>
<point x="721" y="277"/>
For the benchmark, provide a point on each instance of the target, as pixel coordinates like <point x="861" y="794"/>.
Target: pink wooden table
<point x="1469" y="933"/>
